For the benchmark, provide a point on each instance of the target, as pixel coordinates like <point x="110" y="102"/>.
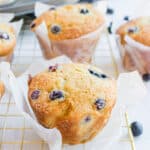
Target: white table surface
<point x="28" y="50"/>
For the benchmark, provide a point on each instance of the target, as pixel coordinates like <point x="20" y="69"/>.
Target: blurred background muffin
<point x="136" y="54"/>
<point x="7" y="42"/>
<point x="138" y="29"/>
<point x="73" y="30"/>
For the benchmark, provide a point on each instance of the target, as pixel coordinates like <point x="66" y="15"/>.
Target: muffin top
<point x="70" y="21"/>
<point x="7" y="39"/>
<point x="73" y="97"/>
<point x="138" y="29"/>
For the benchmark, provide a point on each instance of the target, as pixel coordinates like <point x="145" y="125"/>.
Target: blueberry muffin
<point x="7" y="39"/>
<point x="2" y="89"/>
<point x="70" y="21"/>
<point x="136" y="57"/>
<point x="77" y="99"/>
<point x="138" y="29"/>
<point x="65" y="25"/>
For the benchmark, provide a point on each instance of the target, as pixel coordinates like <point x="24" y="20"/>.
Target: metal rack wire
<point x="15" y="131"/>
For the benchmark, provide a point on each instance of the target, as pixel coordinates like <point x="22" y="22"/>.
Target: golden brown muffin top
<point x="71" y="90"/>
<point x="70" y="21"/>
<point x="7" y="39"/>
<point x="138" y="29"/>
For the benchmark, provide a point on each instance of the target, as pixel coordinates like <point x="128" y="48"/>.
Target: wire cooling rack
<point x="15" y="132"/>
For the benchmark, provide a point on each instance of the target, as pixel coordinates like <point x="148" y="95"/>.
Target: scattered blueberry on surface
<point x="53" y="68"/>
<point x="84" y="11"/>
<point x="100" y="104"/>
<point x="99" y="75"/>
<point x="55" y="29"/>
<point x="35" y="94"/>
<point x="56" y="94"/>
<point x="126" y="18"/>
<point x="4" y="36"/>
<point x="132" y="29"/>
<point x="109" y="28"/>
<point x="146" y="77"/>
<point x="109" y="11"/>
<point x="136" y="128"/>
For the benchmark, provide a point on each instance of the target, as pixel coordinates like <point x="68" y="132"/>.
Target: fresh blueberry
<point x="146" y="77"/>
<point x="87" y="119"/>
<point x="56" y="94"/>
<point x="84" y="11"/>
<point x="100" y="104"/>
<point x="99" y="75"/>
<point x="53" y="68"/>
<point x="110" y="11"/>
<point x="4" y="35"/>
<point x="55" y="29"/>
<point x="35" y="94"/>
<point x="136" y="128"/>
<point x="132" y="29"/>
<point x="126" y="18"/>
<point x="109" y="28"/>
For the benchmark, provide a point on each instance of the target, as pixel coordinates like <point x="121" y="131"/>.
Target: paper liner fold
<point x="135" y="55"/>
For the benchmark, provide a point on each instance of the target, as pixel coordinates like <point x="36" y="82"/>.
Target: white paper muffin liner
<point x="130" y="92"/>
<point x="6" y="18"/>
<point x="135" y="56"/>
<point x="79" y="49"/>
